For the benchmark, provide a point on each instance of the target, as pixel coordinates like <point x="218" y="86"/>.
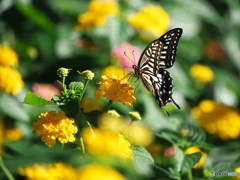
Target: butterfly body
<point x="157" y="56"/>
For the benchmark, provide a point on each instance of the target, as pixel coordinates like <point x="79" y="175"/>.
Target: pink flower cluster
<point x="132" y="54"/>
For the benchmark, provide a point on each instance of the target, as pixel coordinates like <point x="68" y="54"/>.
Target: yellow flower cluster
<point x="12" y="134"/>
<point x="8" y="57"/>
<point x="237" y="170"/>
<point x="55" y="125"/>
<point x="202" y="73"/>
<point x="96" y="172"/>
<point x="57" y="171"/>
<point x="115" y="89"/>
<point x="98" y="11"/>
<point x="153" y="19"/>
<point x="113" y="70"/>
<point x="137" y="132"/>
<point x="54" y="171"/>
<point x="105" y="142"/>
<point x="10" y="80"/>
<point x="201" y="161"/>
<point x="218" y="119"/>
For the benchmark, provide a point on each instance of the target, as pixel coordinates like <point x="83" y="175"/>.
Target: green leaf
<point x="142" y="155"/>
<point x="35" y="15"/>
<point x="33" y="99"/>
<point x="189" y="161"/>
<point x="169" y="136"/>
<point x="143" y="160"/>
<point x="76" y="86"/>
<point x="179" y="157"/>
<point x="195" y="133"/>
<point x="16" y="111"/>
<point x="71" y="108"/>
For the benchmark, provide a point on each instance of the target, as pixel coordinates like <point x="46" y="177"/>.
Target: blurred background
<point x="38" y="37"/>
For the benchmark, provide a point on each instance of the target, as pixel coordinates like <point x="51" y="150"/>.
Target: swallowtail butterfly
<point x="157" y="56"/>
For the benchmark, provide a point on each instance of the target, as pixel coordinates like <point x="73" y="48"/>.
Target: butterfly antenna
<point x="128" y="57"/>
<point x="133" y="56"/>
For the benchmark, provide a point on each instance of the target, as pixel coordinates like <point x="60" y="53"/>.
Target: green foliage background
<point x="41" y="32"/>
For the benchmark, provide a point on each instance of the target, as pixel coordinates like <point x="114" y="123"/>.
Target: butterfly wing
<point x="160" y="53"/>
<point x="169" y="51"/>
<point x="162" y="86"/>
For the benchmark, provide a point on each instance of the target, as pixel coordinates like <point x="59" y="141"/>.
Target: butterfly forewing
<point x="150" y="58"/>
<point x="159" y="54"/>
<point x="169" y="50"/>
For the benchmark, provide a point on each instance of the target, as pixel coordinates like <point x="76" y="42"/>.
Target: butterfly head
<point x="136" y="71"/>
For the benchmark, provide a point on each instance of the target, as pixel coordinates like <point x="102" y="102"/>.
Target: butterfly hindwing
<point x="163" y="88"/>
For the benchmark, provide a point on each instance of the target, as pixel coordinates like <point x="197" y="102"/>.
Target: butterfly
<point x="156" y="57"/>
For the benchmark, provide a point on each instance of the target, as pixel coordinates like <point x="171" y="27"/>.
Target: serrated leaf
<point x="195" y="134"/>
<point x="33" y="99"/>
<point x="189" y="161"/>
<point x="141" y="154"/>
<point x="143" y="160"/>
<point x="76" y="86"/>
<point x="168" y="135"/>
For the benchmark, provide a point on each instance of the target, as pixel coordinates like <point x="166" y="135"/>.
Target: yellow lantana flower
<point x="55" y="125"/>
<point x="53" y="171"/>
<point x="98" y="11"/>
<point x="237" y="170"/>
<point x="115" y="89"/>
<point x="217" y="119"/>
<point x="202" y="73"/>
<point x="8" y="57"/>
<point x="105" y="142"/>
<point x="59" y="170"/>
<point x="196" y="149"/>
<point x="95" y="172"/>
<point x="153" y="19"/>
<point x="12" y="134"/>
<point x="10" y="80"/>
<point x="137" y="132"/>
<point x="113" y="70"/>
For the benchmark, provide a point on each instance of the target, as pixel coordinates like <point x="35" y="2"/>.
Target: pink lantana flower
<point x="45" y="90"/>
<point x="123" y="61"/>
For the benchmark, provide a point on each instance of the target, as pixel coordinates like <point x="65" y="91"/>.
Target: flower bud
<point x="89" y="75"/>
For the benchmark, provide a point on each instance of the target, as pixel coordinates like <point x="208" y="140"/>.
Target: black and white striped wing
<point x="157" y="56"/>
<point x="160" y="53"/>
<point x="162" y="86"/>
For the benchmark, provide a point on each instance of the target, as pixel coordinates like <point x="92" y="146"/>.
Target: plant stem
<point x="63" y="85"/>
<point x="81" y="143"/>
<point x="84" y="88"/>
<point x="189" y="174"/>
<point x="6" y="171"/>
<point x="109" y="105"/>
